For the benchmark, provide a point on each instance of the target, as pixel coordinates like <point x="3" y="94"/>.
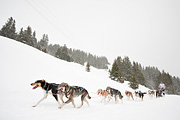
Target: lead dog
<point x="73" y="91"/>
<point x="48" y="88"/>
<point x="115" y="93"/>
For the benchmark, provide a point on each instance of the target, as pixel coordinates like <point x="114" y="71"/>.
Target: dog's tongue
<point x="35" y="87"/>
<point x="59" y="90"/>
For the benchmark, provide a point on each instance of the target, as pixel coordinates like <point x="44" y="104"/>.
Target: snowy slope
<point x="21" y="65"/>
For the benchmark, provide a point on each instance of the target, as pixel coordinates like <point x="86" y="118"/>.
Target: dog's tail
<point x="89" y="96"/>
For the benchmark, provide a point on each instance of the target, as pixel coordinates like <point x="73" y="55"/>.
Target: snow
<point x="20" y="65"/>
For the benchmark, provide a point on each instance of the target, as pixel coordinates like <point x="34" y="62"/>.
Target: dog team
<point x="70" y="92"/>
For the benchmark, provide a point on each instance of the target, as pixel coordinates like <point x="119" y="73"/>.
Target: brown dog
<point x="99" y="92"/>
<point x="129" y="94"/>
<point x="104" y="94"/>
<point x="73" y="91"/>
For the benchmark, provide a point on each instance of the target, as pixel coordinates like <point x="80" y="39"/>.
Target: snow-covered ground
<point x="20" y="65"/>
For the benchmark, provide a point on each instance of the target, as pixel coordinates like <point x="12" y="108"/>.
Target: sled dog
<point x="74" y="91"/>
<point x="48" y="88"/>
<point x="114" y="92"/>
<point x="104" y="94"/>
<point x="129" y="94"/>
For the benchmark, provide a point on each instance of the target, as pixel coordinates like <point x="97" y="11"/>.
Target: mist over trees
<point x="150" y="77"/>
<point x="80" y="57"/>
<point x="28" y="36"/>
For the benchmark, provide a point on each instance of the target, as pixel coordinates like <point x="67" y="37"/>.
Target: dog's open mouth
<point x="59" y="90"/>
<point x="35" y="87"/>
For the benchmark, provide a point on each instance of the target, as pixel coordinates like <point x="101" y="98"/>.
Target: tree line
<point x="125" y="70"/>
<point x="28" y="36"/>
<point x="122" y="68"/>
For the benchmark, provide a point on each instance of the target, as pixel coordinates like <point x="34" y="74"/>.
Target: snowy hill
<point x="21" y="65"/>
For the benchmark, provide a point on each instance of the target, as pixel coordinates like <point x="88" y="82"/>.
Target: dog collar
<point x="47" y="89"/>
<point x="44" y="85"/>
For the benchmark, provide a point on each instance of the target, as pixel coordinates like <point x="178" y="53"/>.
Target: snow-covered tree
<point x="9" y="29"/>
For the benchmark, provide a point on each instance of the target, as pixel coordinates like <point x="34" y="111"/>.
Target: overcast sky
<point x="148" y="31"/>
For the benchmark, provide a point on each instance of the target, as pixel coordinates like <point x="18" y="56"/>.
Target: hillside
<point x="21" y="65"/>
<point x="146" y="76"/>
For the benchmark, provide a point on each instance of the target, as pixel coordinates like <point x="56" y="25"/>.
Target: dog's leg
<point x="142" y="97"/>
<point x="110" y="98"/>
<point x="121" y="98"/>
<point x="82" y="99"/>
<point x="86" y="101"/>
<point x="68" y="101"/>
<point x="45" y="96"/>
<point x="56" y="97"/>
<point x="132" y="96"/>
<point x="61" y="97"/>
<point x="115" y="99"/>
<point x="73" y="103"/>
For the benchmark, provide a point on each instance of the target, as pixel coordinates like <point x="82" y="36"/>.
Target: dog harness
<point x="80" y="90"/>
<point x="112" y="93"/>
<point x="47" y="89"/>
<point x="53" y="85"/>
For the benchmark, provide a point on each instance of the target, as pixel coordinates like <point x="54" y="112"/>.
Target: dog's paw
<point x="60" y="106"/>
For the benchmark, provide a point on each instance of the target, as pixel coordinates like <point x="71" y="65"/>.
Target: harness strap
<point x="66" y="91"/>
<point x="80" y="91"/>
<point x="111" y="94"/>
<point x="47" y="89"/>
<point x="56" y="85"/>
<point x="117" y="92"/>
<point x="44" y="85"/>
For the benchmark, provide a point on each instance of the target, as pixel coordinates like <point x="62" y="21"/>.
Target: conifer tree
<point x="138" y="73"/>
<point x="133" y="83"/>
<point x="115" y="73"/>
<point x="9" y="29"/>
<point x="127" y="68"/>
<point x="34" y="39"/>
<point x="62" y="53"/>
<point x="88" y="67"/>
<point x="43" y="43"/>
<point x="20" y="36"/>
<point x="25" y="36"/>
<point x="28" y="36"/>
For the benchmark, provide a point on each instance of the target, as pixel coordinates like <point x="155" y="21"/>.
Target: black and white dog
<point x="140" y="94"/>
<point x="48" y="88"/>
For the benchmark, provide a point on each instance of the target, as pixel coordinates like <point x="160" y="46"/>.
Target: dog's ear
<point x="43" y="80"/>
<point x="66" y="85"/>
